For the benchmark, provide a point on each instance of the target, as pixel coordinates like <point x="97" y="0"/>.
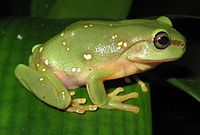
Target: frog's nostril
<point x="182" y="45"/>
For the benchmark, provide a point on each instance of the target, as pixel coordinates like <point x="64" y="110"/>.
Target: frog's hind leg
<point x="50" y="90"/>
<point x="45" y="86"/>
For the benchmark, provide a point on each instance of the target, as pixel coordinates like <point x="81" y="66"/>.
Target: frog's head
<point x="157" y="42"/>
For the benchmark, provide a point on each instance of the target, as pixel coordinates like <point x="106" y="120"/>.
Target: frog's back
<point x="81" y="45"/>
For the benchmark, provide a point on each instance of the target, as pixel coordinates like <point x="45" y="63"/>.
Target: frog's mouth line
<point x="153" y="61"/>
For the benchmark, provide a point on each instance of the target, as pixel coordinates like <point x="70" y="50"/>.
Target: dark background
<point x="174" y="112"/>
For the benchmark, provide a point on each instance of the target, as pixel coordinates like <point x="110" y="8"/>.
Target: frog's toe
<point x="76" y="107"/>
<point x="121" y="106"/>
<point x="116" y="91"/>
<point x="114" y="95"/>
<point x="82" y="109"/>
<point x="141" y="83"/>
<point x="78" y="101"/>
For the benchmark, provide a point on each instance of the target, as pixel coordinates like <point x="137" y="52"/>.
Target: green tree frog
<point x="91" y="52"/>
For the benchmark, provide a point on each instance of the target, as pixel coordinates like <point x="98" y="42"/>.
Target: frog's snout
<point x="179" y="43"/>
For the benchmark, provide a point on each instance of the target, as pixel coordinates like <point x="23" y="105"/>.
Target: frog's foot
<point x="115" y="101"/>
<point x="76" y="106"/>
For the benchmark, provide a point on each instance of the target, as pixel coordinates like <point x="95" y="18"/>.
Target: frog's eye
<point x="161" y="40"/>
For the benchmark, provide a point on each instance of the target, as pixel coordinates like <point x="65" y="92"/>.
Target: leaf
<point x="189" y="85"/>
<point x="81" y="9"/>
<point x="22" y="113"/>
<point x="181" y="77"/>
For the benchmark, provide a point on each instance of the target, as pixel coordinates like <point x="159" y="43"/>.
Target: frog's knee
<point x="19" y="72"/>
<point x="18" y="69"/>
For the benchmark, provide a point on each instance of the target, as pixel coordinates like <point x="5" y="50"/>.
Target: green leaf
<point x="188" y="85"/>
<point x="22" y="113"/>
<point x="81" y="9"/>
<point x="182" y="78"/>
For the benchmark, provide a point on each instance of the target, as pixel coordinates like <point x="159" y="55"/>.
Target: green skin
<point x="91" y="52"/>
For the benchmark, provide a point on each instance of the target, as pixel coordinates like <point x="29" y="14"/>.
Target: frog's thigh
<point x="46" y="87"/>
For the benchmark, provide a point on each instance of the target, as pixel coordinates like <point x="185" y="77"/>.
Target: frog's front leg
<point x="99" y="97"/>
<point x="50" y="90"/>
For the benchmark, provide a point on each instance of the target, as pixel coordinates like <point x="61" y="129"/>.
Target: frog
<point x="90" y="52"/>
